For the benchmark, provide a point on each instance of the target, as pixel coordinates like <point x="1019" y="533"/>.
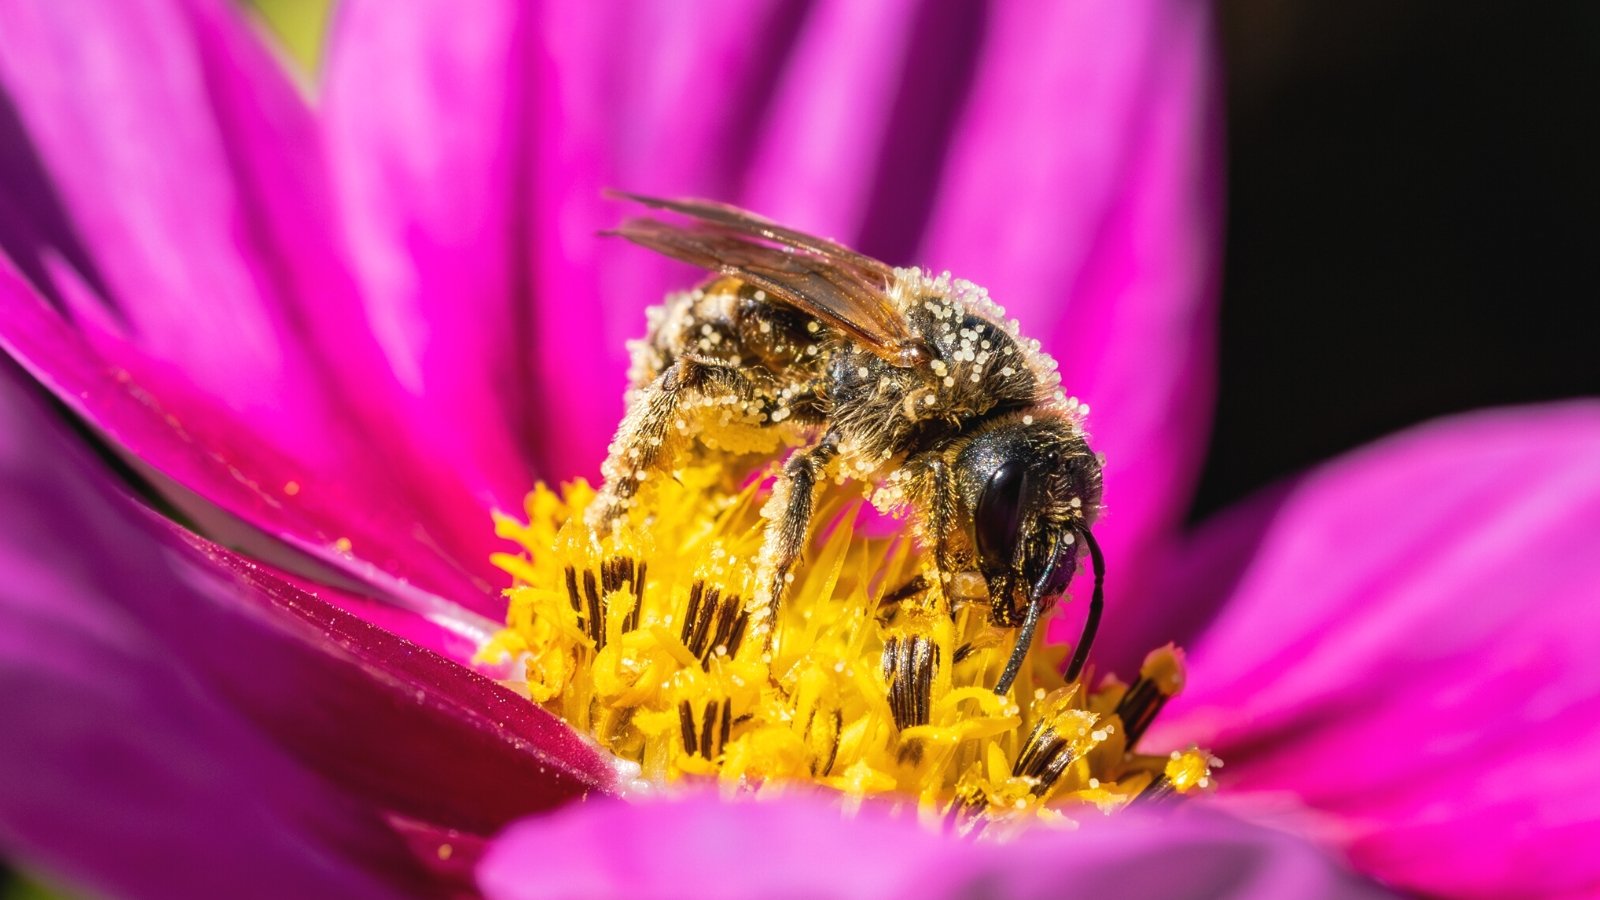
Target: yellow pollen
<point x="870" y="680"/>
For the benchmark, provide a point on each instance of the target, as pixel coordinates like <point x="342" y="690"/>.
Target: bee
<point x="914" y="385"/>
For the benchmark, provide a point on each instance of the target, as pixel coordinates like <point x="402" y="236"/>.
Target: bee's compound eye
<point x="998" y="519"/>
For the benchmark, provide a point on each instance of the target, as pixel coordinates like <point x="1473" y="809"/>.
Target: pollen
<point x="870" y="681"/>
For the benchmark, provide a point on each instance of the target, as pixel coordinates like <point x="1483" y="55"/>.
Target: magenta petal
<point x="170" y="425"/>
<point x="804" y="847"/>
<point x="471" y="151"/>
<point x="170" y="161"/>
<point x="119" y="770"/>
<point x="1410" y="651"/>
<point x="1084" y="192"/>
<point x="180" y="723"/>
<point x="193" y="227"/>
<point x="426" y="125"/>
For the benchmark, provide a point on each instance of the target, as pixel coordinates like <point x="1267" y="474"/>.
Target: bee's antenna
<point x="1080" y="655"/>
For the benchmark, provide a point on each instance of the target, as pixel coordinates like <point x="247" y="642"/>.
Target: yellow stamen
<point x="873" y="683"/>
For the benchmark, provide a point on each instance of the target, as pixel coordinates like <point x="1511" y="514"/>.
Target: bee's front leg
<point x="644" y="441"/>
<point x="788" y="517"/>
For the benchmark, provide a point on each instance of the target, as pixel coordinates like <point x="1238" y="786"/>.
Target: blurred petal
<point x="471" y="152"/>
<point x="804" y="847"/>
<point x="264" y="736"/>
<point x="1410" y="651"/>
<point x="1084" y="191"/>
<point x="179" y="212"/>
<point x="170" y="424"/>
<point x="118" y="770"/>
<point x="426" y="132"/>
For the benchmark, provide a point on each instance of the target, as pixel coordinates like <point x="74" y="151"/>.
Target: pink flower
<point x="356" y="324"/>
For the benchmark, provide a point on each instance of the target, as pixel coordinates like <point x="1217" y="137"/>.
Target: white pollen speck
<point x="1027" y="420"/>
<point x="812" y="327"/>
<point x="977" y="377"/>
<point x="864" y="372"/>
<point x="949" y="381"/>
<point x="928" y="400"/>
<point x="1070" y="539"/>
<point x="760" y="295"/>
<point x="765" y="328"/>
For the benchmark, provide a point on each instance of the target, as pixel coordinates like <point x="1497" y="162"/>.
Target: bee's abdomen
<point x="727" y="322"/>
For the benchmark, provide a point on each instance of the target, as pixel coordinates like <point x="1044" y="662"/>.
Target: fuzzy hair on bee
<point x="913" y="384"/>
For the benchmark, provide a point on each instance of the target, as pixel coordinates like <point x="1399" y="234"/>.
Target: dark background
<point x="1413" y="196"/>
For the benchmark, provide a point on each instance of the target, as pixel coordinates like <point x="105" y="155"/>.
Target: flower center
<point x="871" y="681"/>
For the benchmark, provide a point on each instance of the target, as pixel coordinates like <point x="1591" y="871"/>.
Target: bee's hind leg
<point x="788" y="516"/>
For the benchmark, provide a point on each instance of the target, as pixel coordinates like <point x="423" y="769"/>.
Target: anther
<point x="909" y="665"/>
<point x="713" y="621"/>
<point x="1160" y="679"/>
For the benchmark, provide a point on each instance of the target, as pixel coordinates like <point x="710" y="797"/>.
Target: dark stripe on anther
<point x="696" y="592"/>
<point x="713" y="621"/>
<point x="1158" y="791"/>
<point x="619" y="572"/>
<point x="909" y="664"/>
<point x="1138" y="709"/>
<point x="702" y="623"/>
<point x="686" y="724"/>
<point x="597" y="622"/>
<point x="1044" y="758"/>
<point x="572" y="593"/>
<point x="741" y="622"/>
<point x="638" y="599"/>
<point x="707" y="749"/>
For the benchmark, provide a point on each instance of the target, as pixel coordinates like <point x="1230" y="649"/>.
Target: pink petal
<point x="804" y="847"/>
<point x="193" y="228"/>
<point x="471" y="152"/>
<point x="185" y="724"/>
<point x="1084" y="191"/>
<point x="1408" y="651"/>
<point x="177" y="211"/>
<point x="119" y="771"/>
<point x="154" y="413"/>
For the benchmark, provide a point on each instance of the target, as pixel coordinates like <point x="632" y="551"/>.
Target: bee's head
<point x="1031" y="488"/>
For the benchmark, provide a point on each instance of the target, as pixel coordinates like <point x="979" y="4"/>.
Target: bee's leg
<point x="941" y="513"/>
<point x="788" y="515"/>
<point x="643" y="443"/>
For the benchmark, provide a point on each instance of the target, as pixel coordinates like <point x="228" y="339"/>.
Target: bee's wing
<point x="821" y="278"/>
